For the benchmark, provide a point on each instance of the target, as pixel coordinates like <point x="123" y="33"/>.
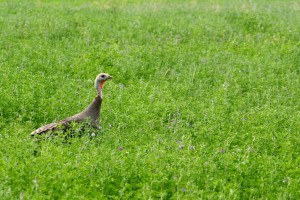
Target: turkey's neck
<point x="93" y="110"/>
<point x="96" y="104"/>
<point x="100" y="88"/>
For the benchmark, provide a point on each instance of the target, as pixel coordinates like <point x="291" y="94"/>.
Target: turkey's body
<point x="92" y="112"/>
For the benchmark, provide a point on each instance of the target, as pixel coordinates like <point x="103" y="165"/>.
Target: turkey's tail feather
<point x="62" y="125"/>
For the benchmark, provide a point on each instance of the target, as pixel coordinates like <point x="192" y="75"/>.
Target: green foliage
<point x="203" y="105"/>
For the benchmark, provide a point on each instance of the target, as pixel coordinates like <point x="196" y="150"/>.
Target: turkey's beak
<point x="109" y="77"/>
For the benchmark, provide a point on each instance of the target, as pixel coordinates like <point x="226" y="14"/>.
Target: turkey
<point x="91" y="113"/>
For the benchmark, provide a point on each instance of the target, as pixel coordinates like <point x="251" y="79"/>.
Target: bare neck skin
<point x="99" y="86"/>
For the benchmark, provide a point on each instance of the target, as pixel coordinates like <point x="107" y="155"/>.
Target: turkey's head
<point x="100" y="80"/>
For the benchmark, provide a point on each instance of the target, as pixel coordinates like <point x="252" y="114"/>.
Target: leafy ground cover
<point x="204" y="103"/>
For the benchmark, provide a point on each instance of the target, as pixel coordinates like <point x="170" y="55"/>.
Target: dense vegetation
<point x="204" y="101"/>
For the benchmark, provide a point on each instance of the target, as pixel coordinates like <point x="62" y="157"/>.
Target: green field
<point x="204" y="103"/>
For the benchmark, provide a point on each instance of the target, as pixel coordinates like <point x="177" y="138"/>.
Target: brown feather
<point x="92" y="112"/>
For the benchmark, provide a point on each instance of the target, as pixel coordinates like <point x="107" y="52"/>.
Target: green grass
<point x="204" y="103"/>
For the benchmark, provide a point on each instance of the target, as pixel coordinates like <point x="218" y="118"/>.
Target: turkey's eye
<point x="102" y="76"/>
